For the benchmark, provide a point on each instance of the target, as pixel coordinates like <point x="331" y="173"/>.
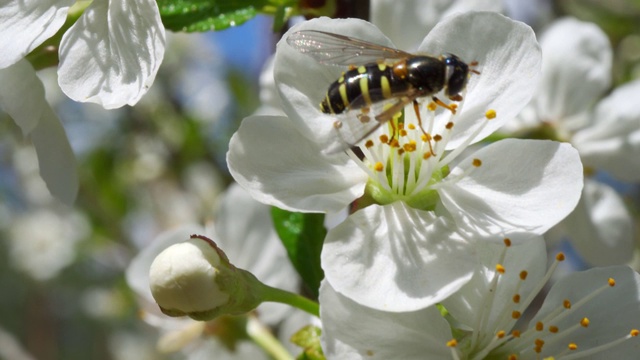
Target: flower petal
<point x="25" y="24"/>
<point x="521" y="186"/>
<point x="575" y="52"/>
<point x="471" y="303"/>
<point x="353" y="331"/>
<point x="509" y="61"/>
<point x="22" y="97"/>
<point x="55" y="157"/>
<point x="280" y="167"/>
<point x="303" y="82"/>
<point x="612" y="313"/>
<point x="600" y="227"/>
<point x="111" y="55"/>
<point x="409" y="21"/>
<point x="612" y="143"/>
<point x="395" y="258"/>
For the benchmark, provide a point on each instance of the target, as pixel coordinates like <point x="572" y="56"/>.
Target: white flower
<point x="593" y="314"/>
<point x="576" y="72"/>
<point x="110" y="56"/>
<point x="25" y="24"/>
<point x="243" y="229"/>
<point x="22" y="97"/>
<point x="506" y="187"/>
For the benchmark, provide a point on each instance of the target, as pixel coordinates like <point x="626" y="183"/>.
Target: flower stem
<point x="295" y="300"/>
<point x="265" y="339"/>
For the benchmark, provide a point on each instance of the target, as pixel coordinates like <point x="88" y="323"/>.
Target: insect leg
<point x="416" y="108"/>
<point x="439" y="102"/>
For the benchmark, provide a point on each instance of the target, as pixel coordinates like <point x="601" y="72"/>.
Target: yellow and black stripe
<point x="361" y="87"/>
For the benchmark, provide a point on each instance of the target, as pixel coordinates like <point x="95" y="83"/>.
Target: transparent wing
<point x="354" y="126"/>
<point x="334" y="49"/>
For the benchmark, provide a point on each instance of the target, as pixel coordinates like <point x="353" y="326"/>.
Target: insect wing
<point x="334" y="49"/>
<point x="354" y="126"/>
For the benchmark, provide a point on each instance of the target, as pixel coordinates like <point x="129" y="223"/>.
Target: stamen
<point x="490" y="114"/>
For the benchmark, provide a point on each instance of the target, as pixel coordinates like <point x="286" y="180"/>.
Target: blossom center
<point x="408" y="161"/>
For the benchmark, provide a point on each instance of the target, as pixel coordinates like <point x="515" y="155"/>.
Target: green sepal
<point x="302" y="236"/>
<point x="308" y="338"/>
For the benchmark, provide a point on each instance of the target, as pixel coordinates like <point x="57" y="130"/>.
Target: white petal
<point x="509" y="61"/>
<point x="55" y="157"/>
<point x="353" y="331"/>
<point x="137" y="273"/>
<point x="278" y="166"/>
<point x="471" y="302"/>
<point x="395" y="258"/>
<point x="408" y="22"/>
<point x="521" y="186"/>
<point x="22" y="97"/>
<point x="600" y="227"/>
<point x="612" y="313"/>
<point x="25" y="24"/>
<point x="303" y="82"/>
<point x="613" y="142"/>
<point x="576" y="68"/>
<point x="111" y="55"/>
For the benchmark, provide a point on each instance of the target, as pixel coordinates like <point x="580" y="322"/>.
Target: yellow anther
<point x="523" y="275"/>
<point x="384" y="139"/>
<point x="477" y="162"/>
<point x="500" y="268"/>
<point x="584" y="322"/>
<point x="573" y="346"/>
<point x="378" y="166"/>
<point x="452" y="343"/>
<point x="400" y="151"/>
<point x="403" y="132"/>
<point x="394" y="143"/>
<point x="453" y="107"/>
<point x="560" y="256"/>
<point x="516" y="314"/>
<point x="410" y="146"/>
<point x="424" y="138"/>
<point x="634" y="332"/>
<point x="567" y="304"/>
<point x="500" y="334"/>
<point x="553" y="329"/>
<point x="368" y="144"/>
<point x="449" y="125"/>
<point x="507" y="242"/>
<point x="411" y="127"/>
<point x="426" y="155"/>
<point x="516" y="298"/>
<point x="539" y="326"/>
<point x="539" y="342"/>
<point x="515" y="333"/>
<point x="611" y="282"/>
<point x="490" y="114"/>
<point x="432" y="106"/>
<point x="512" y="357"/>
<point x="437" y="137"/>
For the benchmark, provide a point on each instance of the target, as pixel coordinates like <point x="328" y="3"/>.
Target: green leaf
<point x="302" y="236"/>
<point x="206" y="15"/>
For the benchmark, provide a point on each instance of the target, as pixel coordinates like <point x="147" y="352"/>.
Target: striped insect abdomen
<point x="361" y="87"/>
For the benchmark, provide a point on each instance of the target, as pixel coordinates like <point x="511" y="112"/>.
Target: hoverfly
<point x="379" y="74"/>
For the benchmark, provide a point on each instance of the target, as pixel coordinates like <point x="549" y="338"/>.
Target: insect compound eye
<point x="457" y="75"/>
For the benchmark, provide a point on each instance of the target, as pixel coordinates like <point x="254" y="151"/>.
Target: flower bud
<point x="195" y="278"/>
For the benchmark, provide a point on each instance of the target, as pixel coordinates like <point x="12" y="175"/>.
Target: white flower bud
<point x="195" y="278"/>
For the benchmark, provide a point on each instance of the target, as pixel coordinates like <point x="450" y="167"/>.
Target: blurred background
<point x="160" y="164"/>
